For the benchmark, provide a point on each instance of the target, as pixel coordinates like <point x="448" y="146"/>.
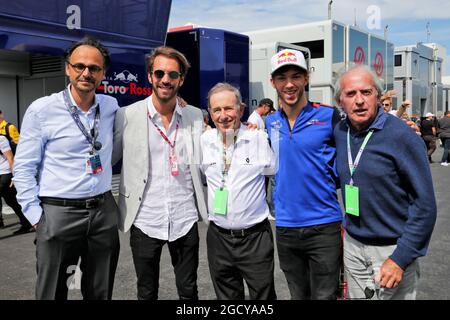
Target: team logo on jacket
<point x="316" y="121"/>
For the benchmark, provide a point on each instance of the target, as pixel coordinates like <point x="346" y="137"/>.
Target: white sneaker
<point x="445" y="164"/>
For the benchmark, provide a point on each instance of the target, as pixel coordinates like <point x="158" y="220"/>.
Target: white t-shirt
<point x="4" y="146"/>
<point x="255" y="118"/>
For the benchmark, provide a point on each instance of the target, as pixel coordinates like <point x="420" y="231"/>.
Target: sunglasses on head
<point x="172" y="74"/>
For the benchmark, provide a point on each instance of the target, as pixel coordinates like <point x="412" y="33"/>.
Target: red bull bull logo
<point x="286" y="54"/>
<point x="128" y="84"/>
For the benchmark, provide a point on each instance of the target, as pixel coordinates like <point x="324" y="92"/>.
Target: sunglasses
<point x="79" y="67"/>
<point x="172" y="74"/>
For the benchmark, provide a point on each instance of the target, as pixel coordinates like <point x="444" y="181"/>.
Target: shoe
<point x="445" y="164"/>
<point x="2" y="224"/>
<point x="23" y="230"/>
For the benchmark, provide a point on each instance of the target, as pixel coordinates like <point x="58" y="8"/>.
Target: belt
<point x="84" y="203"/>
<point x="241" y="233"/>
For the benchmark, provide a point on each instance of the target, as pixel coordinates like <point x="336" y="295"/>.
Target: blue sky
<point x="406" y="20"/>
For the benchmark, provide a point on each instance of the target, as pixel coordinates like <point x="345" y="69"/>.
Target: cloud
<point x="239" y="16"/>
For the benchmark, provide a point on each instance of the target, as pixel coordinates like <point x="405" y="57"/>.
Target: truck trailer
<point x="35" y="34"/>
<point x="334" y="47"/>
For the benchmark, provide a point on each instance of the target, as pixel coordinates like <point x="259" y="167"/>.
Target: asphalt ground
<point x="18" y="259"/>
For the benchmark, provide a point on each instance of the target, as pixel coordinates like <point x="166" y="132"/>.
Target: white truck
<point x="333" y="47"/>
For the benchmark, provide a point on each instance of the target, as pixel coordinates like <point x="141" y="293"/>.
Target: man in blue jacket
<point x="307" y="212"/>
<point x="387" y="190"/>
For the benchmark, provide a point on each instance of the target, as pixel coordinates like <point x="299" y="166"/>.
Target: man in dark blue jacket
<point x="387" y="189"/>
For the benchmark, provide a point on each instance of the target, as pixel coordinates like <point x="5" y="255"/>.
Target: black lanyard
<point x="92" y="136"/>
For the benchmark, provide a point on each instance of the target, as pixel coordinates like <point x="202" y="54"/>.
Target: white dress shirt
<point x="168" y="210"/>
<point x="50" y="160"/>
<point x="251" y="159"/>
<point x="255" y="118"/>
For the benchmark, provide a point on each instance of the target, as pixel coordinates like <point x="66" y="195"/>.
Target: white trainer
<point x="445" y="164"/>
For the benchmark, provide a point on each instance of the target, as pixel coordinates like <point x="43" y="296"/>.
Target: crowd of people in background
<point x="304" y="151"/>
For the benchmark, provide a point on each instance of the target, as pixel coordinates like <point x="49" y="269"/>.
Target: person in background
<point x="8" y="129"/>
<point x="428" y="131"/>
<point x="444" y="135"/>
<point x="387" y="192"/>
<point x="264" y="108"/>
<point x="206" y="125"/>
<point x="7" y="189"/>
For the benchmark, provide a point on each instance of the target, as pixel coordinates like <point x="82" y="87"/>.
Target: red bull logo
<point x="125" y="76"/>
<point x="286" y="54"/>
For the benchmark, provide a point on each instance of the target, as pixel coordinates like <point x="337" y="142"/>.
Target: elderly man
<point x="387" y="189"/>
<point x="239" y="239"/>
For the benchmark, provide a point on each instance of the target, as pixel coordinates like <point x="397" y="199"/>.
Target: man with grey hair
<point x="387" y="190"/>
<point x="239" y="239"/>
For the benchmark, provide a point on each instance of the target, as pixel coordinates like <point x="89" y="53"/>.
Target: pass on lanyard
<point x="221" y="194"/>
<point x="93" y="164"/>
<point x="173" y="162"/>
<point x="92" y="136"/>
<point x="352" y="191"/>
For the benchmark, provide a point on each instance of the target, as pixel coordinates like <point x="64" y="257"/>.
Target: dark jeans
<point x="446" y="144"/>
<point x="233" y="259"/>
<point x="9" y="194"/>
<point x="146" y="257"/>
<point x="310" y="258"/>
<point x="430" y="142"/>
<point x="64" y="235"/>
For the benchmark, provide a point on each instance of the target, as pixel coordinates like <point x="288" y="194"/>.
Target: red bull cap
<point x="288" y="57"/>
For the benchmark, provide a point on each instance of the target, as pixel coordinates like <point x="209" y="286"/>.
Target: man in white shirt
<point x="62" y="172"/>
<point x="161" y="192"/>
<point x="264" y="107"/>
<point x="235" y="161"/>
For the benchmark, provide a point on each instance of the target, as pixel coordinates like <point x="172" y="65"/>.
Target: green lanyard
<point x="352" y="166"/>
<point x="226" y="164"/>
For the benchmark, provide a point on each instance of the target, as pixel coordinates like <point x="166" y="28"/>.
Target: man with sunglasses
<point x="63" y="173"/>
<point x="161" y="192"/>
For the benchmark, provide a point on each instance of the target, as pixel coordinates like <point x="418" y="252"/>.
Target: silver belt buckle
<point x="237" y="233"/>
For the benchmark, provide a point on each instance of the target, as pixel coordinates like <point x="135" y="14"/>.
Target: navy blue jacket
<point x="396" y="195"/>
